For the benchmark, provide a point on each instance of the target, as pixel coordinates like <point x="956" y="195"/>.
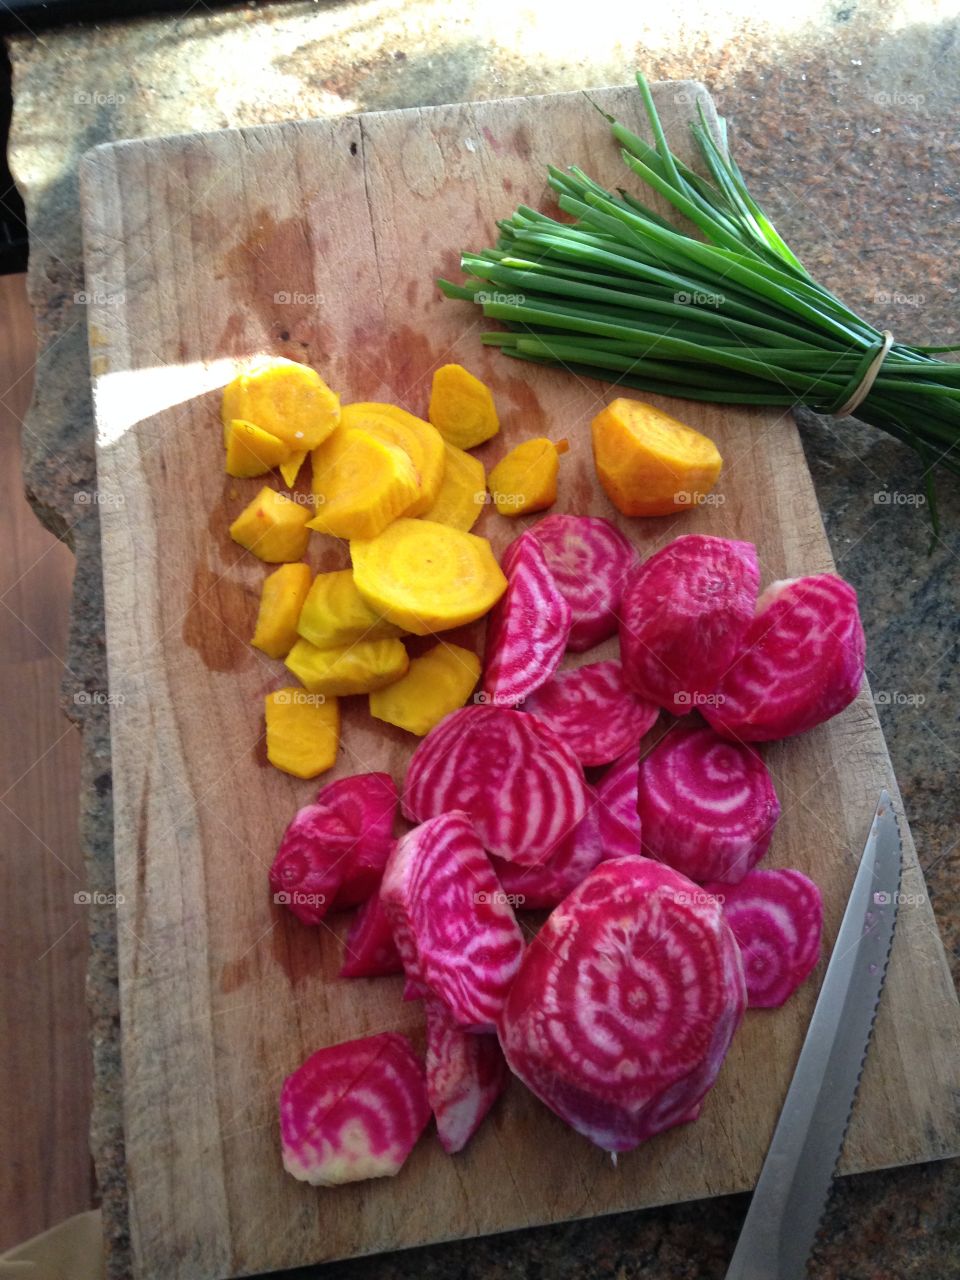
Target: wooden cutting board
<point x="320" y="241"/>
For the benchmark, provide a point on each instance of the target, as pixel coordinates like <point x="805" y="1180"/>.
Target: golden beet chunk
<point x="435" y="684"/>
<point x="526" y="479"/>
<point x="281" y="600"/>
<point x="352" y="668"/>
<point x="252" y="451"/>
<point x="461" y="407"/>
<point x="463" y="490"/>
<point x="289" y="400"/>
<point x="303" y="731"/>
<point x="334" y="613"/>
<point x="273" y="527"/>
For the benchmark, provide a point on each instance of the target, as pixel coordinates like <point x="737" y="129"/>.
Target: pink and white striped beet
<point x="521" y="784"/>
<point x="466" y="1073"/>
<point x="594" y="712"/>
<point x="528" y="627"/>
<point x="625" y="1003"/>
<point x="589" y="559"/>
<point x="619" y="822"/>
<point x="777" y="919"/>
<point x="353" y="1111"/>
<point x="547" y="883"/>
<point x="369" y="949"/>
<point x="452" y="923"/>
<point x="800" y="662"/>
<point x="707" y="806"/>
<point x="683" y="617"/>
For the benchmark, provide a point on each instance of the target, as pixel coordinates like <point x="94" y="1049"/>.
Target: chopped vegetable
<point x="547" y="882"/>
<point x="281" y="600"/>
<point x="286" y="399"/>
<point x="521" y="784"/>
<point x="593" y="711"/>
<point x="452" y="924"/>
<point x="352" y="668"/>
<point x="290" y="467"/>
<point x="427" y="577"/>
<point x="625" y="1003"/>
<point x="526" y="479"/>
<point x="617" y="807"/>
<point x="801" y="661"/>
<point x="334" y="613"/>
<point x="777" y="919"/>
<point x="466" y="1073"/>
<point x="353" y="1111"/>
<point x="683" y="617"/>
<point x="589" y="559"/>
<point x="461" y="407"/>
<point x="463" y="490"/>
<point x="360" y="484"/>
<point x="303" y="731"/>
<point x="648" y="463"/>
<point x="527" y="631"/>
<point x="707" y="806"/>
<point x="419" y="440"/>
<point x="369" y="948"/>
<point x="273" y="527"/>
<point x="434" y="685"/>
<point x="252" y="451"/>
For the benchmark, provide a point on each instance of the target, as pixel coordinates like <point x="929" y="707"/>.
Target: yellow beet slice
<point x="289" y="400"/>
<point x="303" y="731"/>
<point x="461" y="407"/>
<point x="281" y="600"/>
<point x="421" y="442"/>
<point x="273" y="527"/>
<point x="335" y="613"/>
<point x="352" y="668"/>
<point x="290" y="467"/>
<point x="435" y="684"/>
<point x="649" y="463"/>
<point x="526" y="479"/>
<point x="427" y="577"/>
<point x="250" y="450"/>
<point x="360" y="484"/>
<point x="463" y="490"/>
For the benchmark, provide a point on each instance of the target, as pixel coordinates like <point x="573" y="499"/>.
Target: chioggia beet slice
<point x="353" y="1111"/>
<point x="619" y="822"/>
<point x="521" y="784"/>
<point x="707" y="806"/>
<point x="466" y="1073"/>
<point x="593" y="711"/>
<point x="528" y="627"/>
<point x="683" y="617"/>
<point x="547" y="882"/>
<point x="589" y="559"/>
<point x="777" y="918"/>
<point x="801" y="662"/>
<point x="452" y="923"/>
<point x="625" y="1003"/>
<point x="369" y="950"/>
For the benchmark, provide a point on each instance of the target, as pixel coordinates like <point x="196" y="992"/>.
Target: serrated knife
<point x="794" y="1183"/>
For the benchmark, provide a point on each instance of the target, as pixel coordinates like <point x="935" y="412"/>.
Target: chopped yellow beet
<point x="273" y="527"/>
<point x="526" y="479"/>
<point x="461" y="407"/>
<point x="463" y="490"/>
<point x="250" y="450"/>
<point x="289" y="400"/>
<point x="422" y="443"/>
<point x="281" y="600"/>
<point x="360" y="484"/>
<point x="435" y="684"/>
<point x="427" y="577"/>
<point x="649" y="463"/>
<point x="334" y="613"/>
<point x="303" y="731"/>
<point x="351" y="668"/>
<point x="290" y="468"/>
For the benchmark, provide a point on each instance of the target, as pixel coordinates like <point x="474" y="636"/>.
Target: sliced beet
<point x="625" y="1003"/>
<point x="683" y="618"/>
<point x="707" y="806"/>
<point x="528" y="626"/>
<point x="353" y="1111"/>
<point x="453" y="926"/>
<point x="593" y="711"/>
<point x="801" y="661"/>
<point x="466" y="1073"/>
<point x="589" y="559"/>
<point x="369" y="950"/>
<point x="777" y="919"/>
<point x="521" y="784"/>
<point x="547" y="883"/>
<point x="617" y="807"/>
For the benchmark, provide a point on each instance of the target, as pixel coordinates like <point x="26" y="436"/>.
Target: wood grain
<point x="320" y="241"/>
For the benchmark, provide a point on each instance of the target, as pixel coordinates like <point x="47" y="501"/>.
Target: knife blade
<point x="791" y="1192"/>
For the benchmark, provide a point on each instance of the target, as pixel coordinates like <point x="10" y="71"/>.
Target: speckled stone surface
<point x="843" y="118"/>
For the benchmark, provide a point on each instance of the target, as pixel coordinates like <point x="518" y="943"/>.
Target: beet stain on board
<point x="219" y="616"/>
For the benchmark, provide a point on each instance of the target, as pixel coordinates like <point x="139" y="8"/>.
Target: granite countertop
<point x="842" y="117"/>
